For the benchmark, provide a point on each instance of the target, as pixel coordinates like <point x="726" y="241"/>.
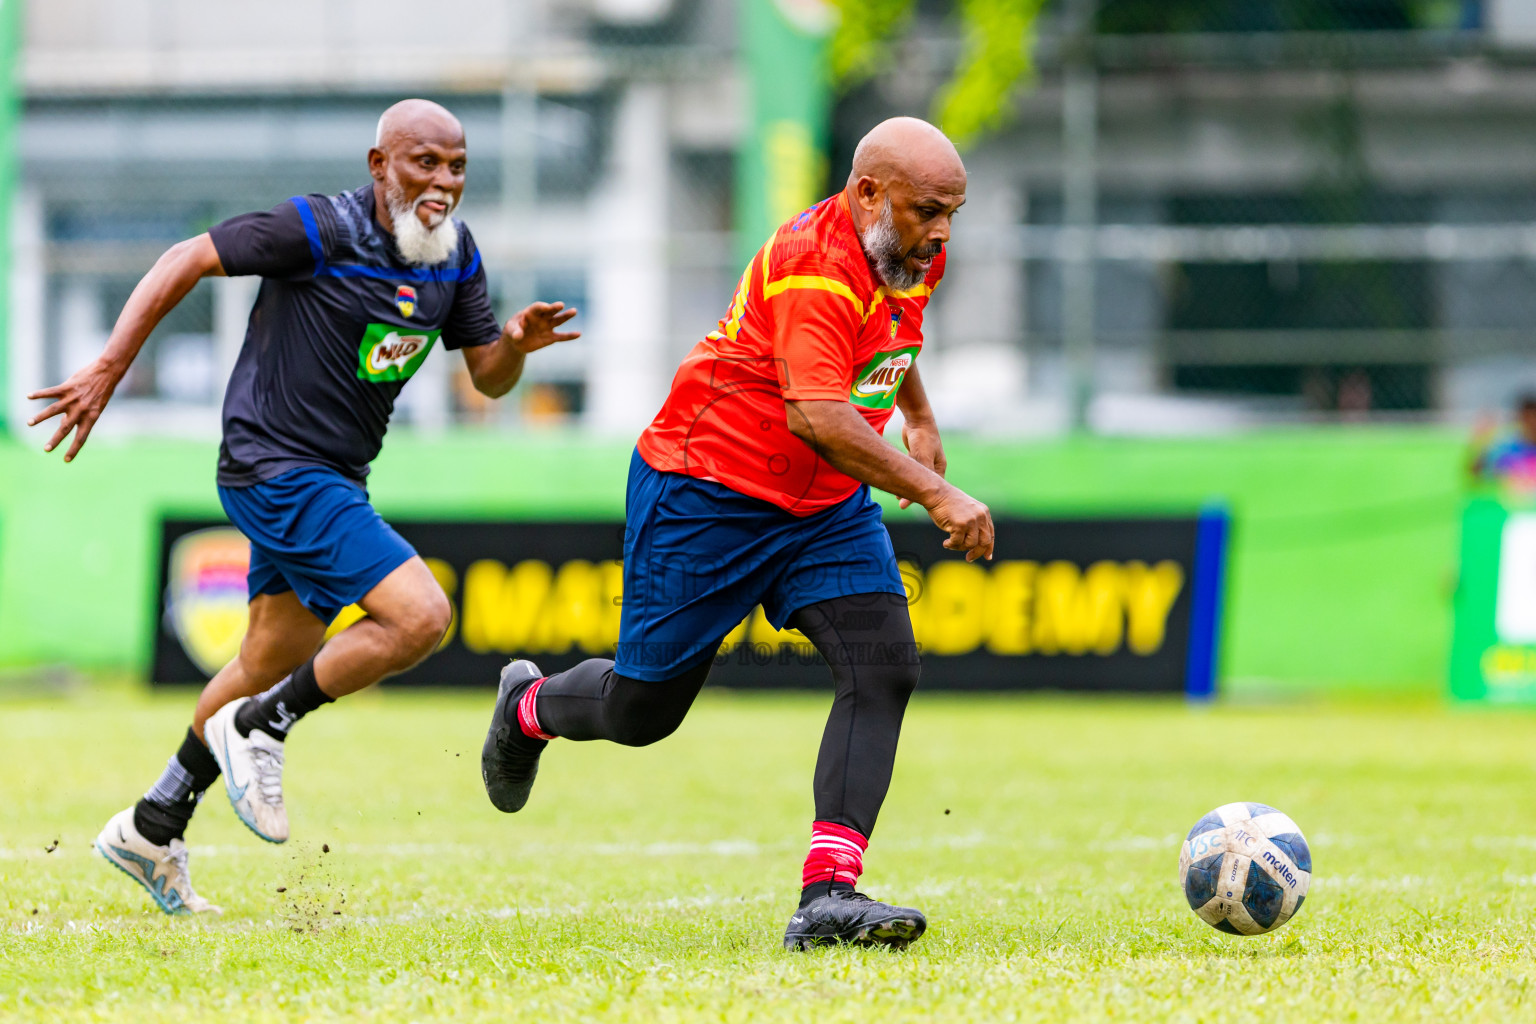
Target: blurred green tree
<point x="998" y="39"/>
<point x="996" y="57"/>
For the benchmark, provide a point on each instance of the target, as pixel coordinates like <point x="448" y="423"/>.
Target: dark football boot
<point x="846" y="916"/>
<point x="509" y="761"/>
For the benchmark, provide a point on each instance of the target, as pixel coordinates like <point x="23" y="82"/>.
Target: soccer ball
<point x="1245" y="868"/>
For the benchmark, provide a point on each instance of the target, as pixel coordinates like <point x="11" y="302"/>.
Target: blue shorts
<point x="698" y="556"/>
<point x="313" y="532"/>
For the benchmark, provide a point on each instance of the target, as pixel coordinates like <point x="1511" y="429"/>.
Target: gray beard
<point x="419" y="245"/>
<point x="882" y="247"/>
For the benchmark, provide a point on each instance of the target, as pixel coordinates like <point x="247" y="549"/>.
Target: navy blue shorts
<point x="313" y="532"/>
<point x="699" y="556"/>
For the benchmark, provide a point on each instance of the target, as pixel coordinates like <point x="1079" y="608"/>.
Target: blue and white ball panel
<point x="1245" y="868"/>
<point x="1209" y="823"/>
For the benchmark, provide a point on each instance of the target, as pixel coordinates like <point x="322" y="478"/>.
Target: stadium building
<point x="1289" y="225"/>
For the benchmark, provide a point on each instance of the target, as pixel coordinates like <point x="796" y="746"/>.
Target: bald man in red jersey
<point x="752" y="486"/>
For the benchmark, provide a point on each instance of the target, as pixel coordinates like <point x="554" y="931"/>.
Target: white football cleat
<point x="161" y="870"/>
<point x="253" y="772"/>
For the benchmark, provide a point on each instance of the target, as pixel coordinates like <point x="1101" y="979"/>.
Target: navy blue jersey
<point x="340" y="323"/>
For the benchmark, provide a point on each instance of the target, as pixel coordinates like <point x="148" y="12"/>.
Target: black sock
<point x="163" y="813"/>
<point x="275" y="711"/>
<point x="816" y="890"/>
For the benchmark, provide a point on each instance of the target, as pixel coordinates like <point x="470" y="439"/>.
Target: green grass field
<point x="1040" y="835"/>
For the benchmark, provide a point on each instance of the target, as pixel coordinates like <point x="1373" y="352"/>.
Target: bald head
<point x="909" y="150"/>
<point x="906" y="184"/>
<point x="412" y="120"/>
<point x="418" y="161"/>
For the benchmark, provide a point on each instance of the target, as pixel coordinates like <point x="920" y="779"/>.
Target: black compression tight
<point x="593" y="702"/>
<point x="867" y="641"/>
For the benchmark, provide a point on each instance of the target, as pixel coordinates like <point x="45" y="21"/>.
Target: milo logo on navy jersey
<point x="387" y="354"/>
<point x="876" y="385"/>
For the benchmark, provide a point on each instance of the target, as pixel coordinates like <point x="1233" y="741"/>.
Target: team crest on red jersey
<point x="405" y="300"/>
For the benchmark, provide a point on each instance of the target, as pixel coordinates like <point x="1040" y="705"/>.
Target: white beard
<point x="882" y="245"/>
<point x="419" y="245"/>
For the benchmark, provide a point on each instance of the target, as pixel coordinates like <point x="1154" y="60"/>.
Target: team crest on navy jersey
<point x="405" y="300"/>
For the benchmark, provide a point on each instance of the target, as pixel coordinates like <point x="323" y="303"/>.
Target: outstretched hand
<point x="80" y="400"/>
<point x="538" y="326"/>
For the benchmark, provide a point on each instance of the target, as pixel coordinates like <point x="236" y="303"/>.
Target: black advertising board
<point x="1066" y="604"/>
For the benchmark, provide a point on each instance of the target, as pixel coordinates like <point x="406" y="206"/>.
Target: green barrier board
<point x="1343" y="539"/>
<point x="1493" y="644"/>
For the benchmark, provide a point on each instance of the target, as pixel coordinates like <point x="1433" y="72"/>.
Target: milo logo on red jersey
<point x="386" y="354"/>
<point x="876" y="385"/>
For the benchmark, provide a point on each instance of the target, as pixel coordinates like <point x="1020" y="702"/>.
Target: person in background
<point x="1508" y="458"/>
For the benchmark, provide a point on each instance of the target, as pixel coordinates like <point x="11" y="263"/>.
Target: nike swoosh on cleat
<point x="798" y="920"/>
<point x="156" y="886"/>
<point x="168" y="900"/>
<point x="229" y="774"/>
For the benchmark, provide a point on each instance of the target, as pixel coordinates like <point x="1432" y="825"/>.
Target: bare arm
<point x="836" y="431"/>
<point x="919" y="430"/>
<point x="496" y="368"/>
<point x="81" y="399"/>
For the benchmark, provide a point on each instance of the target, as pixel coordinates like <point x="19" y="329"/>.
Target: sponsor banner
<point x="1493" y="645"/>
<point x="1122" y="604"/>
<point x="782" y="164"/>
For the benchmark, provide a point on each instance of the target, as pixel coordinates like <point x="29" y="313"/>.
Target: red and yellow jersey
<point x="810" y="320"/>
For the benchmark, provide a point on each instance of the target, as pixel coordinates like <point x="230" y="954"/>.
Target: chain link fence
<point x="1278" y="211"/>
<point x="1301" y="209"/>
<point x="1165" y="17"/>
<point x="601" y="137"/>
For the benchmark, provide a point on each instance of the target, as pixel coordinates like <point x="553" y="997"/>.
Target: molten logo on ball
<point x="1245" y="868"/>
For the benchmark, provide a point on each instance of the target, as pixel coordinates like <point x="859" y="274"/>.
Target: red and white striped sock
<point x="836" y="855"/>
<point x="528" y="715"/>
